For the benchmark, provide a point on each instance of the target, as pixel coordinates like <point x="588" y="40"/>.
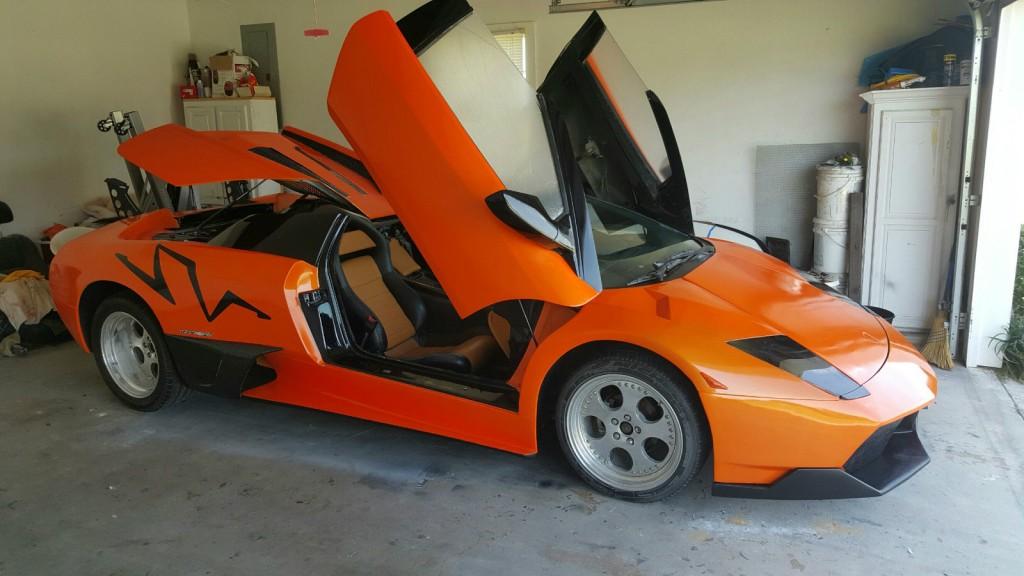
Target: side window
<point x="516" y="39"/>
<point x="626" y="93"/>
<point x="497" y="107"/>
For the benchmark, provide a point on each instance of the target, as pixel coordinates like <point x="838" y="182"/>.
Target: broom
<point x="936" y="349"/>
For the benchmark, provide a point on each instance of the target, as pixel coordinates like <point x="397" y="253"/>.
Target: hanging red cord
<point x="316" y="31"/>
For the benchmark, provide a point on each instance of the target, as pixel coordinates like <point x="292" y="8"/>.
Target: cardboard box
<point x="259" y="92"/>
<point x="229" y="62"/>
<point x="228" y="68"/>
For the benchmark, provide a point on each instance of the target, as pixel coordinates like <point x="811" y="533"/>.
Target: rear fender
<point x="194" y="290"/>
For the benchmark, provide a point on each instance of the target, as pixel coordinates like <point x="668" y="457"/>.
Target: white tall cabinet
<point x="915" y="140"/>
<point x="242" y="114"/>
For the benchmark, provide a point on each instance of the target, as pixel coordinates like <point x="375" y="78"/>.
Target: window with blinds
<point x="513" y="42"/>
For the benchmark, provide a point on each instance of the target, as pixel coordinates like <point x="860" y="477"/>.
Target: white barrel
<point x="830" y="241"/>
<point x="835" y="184"/>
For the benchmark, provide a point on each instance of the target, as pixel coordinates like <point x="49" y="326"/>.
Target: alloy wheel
<point x="624" y="432"/>
<point x="129" y="355"/>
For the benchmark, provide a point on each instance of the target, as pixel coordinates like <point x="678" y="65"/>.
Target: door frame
<point x="344" y="352"/>
<point x="996" y="217"/>
<point x="275" y="83"/>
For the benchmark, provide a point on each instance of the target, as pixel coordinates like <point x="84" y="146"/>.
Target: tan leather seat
<point x="501" y="329"/>
<point x="400" y="258"/>
<point x="391" y="311"/>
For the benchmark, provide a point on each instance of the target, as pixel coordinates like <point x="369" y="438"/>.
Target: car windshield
<point x="630" y="245"/>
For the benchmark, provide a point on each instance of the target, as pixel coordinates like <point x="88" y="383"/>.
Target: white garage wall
<point x="733" y="74"/>
<point x="67" y="63"/>
<point x="737" y="74"/>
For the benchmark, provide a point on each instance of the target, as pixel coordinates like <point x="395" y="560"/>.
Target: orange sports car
<point x="488" y="259"/>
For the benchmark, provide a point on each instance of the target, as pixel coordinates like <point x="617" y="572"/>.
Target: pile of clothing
<point x="27" y="316"/>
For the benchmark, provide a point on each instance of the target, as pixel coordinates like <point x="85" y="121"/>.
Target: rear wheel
<point x="630" y="428"/>
<point x="132" y="356"/>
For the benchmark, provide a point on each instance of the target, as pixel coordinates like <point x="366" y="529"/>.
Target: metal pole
<point x="964" y="207"/>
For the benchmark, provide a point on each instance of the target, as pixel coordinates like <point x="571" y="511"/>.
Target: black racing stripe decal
<point x="338" y="156"/>
<point x="340" y="176"/>
<point x="158" y="283"/>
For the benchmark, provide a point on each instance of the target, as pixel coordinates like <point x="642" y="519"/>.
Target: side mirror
<point x="525" y="213"/>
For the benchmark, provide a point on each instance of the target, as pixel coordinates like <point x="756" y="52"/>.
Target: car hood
<point x="185" y="157"/>
<point x="839" y="331"/>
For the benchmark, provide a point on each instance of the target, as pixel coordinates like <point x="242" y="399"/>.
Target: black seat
<point x="388" y="315"/>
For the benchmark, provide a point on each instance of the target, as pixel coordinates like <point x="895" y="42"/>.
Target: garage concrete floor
<point x="216" y="486"/>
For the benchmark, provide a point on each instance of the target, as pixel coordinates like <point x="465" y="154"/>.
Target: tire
<point x="631" y="428"/>
<point x="132" y="355"/>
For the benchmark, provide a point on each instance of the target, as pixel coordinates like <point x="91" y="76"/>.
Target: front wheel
<point x="631" y="428"/>
<point x="130" y="352"/>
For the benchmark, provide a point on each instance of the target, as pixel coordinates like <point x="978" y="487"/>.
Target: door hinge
<point x="961" y="321"/>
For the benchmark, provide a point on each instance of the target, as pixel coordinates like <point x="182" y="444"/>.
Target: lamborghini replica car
<point x="488" y="261"/>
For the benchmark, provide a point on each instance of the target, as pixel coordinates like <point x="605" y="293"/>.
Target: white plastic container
<point x="830" y="241"/>
<point x="835" y="184"/>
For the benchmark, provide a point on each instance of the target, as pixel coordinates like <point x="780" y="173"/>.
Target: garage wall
<point x="67" y="63"/>
<point x="733" y="74"/>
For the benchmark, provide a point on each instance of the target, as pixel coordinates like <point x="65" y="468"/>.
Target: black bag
<point x="6" y="328"/>
<point x="49" y="330"/>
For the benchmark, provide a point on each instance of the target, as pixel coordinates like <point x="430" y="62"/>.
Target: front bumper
<point x="890" y="456"/>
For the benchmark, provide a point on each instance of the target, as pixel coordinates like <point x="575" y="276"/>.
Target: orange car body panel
<point x="364" y="193"/>
<point x="436" y="178"/>
<point x="764" y="421"/>
<point x="767" y="421"/>
<point x="269" y="283"/>
<point x="184" y="157"/>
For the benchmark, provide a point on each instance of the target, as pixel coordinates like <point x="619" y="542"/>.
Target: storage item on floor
<point x="831" y="238"/>
<point x="25" y="299"/>
<point x="784" y="189"/>
<point x="835" y="184"/>
<point x="17" y="252"/>
<point x="915" y="138"/>
<point x="832" y="223"/>
<point x="67" y="235"/>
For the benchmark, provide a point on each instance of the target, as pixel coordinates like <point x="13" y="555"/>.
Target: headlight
<point x="785" y="353"/>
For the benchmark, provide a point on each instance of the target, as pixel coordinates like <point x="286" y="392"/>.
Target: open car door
<point x="619" y="130"/>
<point x="459" y="145"/>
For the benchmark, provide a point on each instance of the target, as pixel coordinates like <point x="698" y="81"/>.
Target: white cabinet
<point x="200" y="118"/>
<point x="232" y="117"/>
<point x="256" y="114"/>
<point x="915" y="139"/>
<point x="240" y="114"/>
